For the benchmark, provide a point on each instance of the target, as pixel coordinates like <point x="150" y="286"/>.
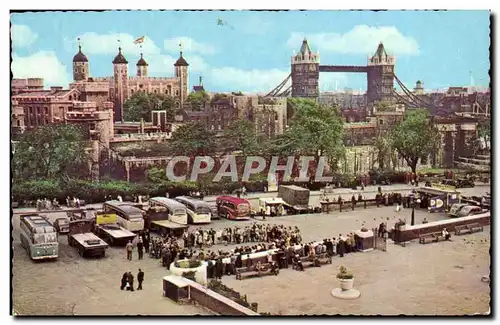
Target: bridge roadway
<point x="369" y="192"/>
<point x="343" y="68"/>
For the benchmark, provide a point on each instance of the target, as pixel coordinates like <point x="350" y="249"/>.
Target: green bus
<point x="39" y="237"/>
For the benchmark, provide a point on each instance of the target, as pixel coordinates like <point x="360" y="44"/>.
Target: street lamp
<point x="413" y="211"/>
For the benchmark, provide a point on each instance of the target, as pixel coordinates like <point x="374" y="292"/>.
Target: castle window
<point x="46" y="110"/>
<point x="381" y="121"/>
<point x="131" y="91"/>
<point x="177" y="92"/>
<point x="154" y="91"/>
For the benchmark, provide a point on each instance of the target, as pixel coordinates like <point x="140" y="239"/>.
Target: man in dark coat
<point x="329" y="247"/>
<point x="140" y="279"/>
<point x="306" y="249"/>
<point x="353" y="201"/>
<point x="130" y="278"/>
<point x="341" y="246"/>
<point x="146" y="239"/>
<point x="218" y="269"/>
<point x="140" y="251"/>
<point x="124" y="281"/>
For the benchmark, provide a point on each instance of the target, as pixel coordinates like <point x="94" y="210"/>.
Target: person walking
<point x="140" y="279"/>
<point x="130" y="278"/>
<point x="140" y="246"/>
<point x="129" y="248"/>
<point x="124" y="281"/>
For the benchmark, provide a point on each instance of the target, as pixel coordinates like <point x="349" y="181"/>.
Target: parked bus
<point x="127" y="215"/>
<point x="39" y="237"/>
<point x="172" y="210"/>
<point x="233" y="208"/>
<point x="198" y="211"/>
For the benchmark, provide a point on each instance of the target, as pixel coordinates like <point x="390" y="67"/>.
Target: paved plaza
<point x="438" y="278"/>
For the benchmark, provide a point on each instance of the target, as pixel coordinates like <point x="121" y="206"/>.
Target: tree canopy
<point x="415" y="137"/>
<point x="241" y="135"/>
<point x="140" y="105"/>
<point x="315" y="130"/>
<point x="193" y="139"/>
<point x="48" y="152"/>
<point x="198" y="99"/>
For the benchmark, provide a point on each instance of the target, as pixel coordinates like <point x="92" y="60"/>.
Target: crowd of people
<point x="202" y="238"/>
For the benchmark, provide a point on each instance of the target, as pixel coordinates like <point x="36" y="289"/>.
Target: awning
<point x="169" y="224"/>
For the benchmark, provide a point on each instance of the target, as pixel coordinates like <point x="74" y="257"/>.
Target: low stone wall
<point x="217" y="302"/>
<point x="414" y="232"/>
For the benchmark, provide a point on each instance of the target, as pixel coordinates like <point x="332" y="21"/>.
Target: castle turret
<point x="305" y="72"/>
<point x="120" y="69"/>
<point x="181" y="72"/>
<point x="80" y="65"/>
<point x="142" y="67"/>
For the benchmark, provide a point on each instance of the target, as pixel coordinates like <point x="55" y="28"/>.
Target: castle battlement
<point x="143" y="79"/>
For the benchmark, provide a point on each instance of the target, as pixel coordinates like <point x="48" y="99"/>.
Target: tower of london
<point x="120" y="86"/>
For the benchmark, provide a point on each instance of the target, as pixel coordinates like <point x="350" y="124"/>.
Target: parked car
<point x="455" y="209"/>
<point x="470" y="210"/>
<point x="61" y="225"/>
<point x="458" y="183"/>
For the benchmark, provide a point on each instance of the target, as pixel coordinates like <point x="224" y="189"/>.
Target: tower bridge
<point x="305" y="69"/>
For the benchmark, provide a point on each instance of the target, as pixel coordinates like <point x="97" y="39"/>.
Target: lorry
<point x="107" y="228"/>
<point x="80" y="235"/>
<point x="296" y="197"/>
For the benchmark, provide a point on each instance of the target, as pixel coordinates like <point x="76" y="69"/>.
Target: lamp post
<point x="413" y="211"/>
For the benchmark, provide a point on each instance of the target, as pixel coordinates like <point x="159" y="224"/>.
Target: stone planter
<point x="200" y="274"/>
<point x="346" y="284"/>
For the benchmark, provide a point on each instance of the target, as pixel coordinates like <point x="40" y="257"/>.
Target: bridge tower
<point x="380" y="76"/>
<point x="305" y="72"/>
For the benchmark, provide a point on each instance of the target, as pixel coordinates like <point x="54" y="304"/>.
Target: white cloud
<point x="234" y="79"/>
<point x="362" y="39"/>
<point x="22" y="36"/>
<point x="189" y="45"/>
<point x="93" y="43"/>
<point x="43" y="64"/>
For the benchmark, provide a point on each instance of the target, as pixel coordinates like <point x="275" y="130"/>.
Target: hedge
<point x="94" y="192"/>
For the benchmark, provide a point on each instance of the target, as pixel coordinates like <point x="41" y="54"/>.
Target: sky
<point x="250" y="51"/>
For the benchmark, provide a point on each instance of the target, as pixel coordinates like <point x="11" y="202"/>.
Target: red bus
<point x="233" y="208"/>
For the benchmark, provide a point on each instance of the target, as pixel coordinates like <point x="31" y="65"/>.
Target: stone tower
<point x="80" y="65"/>
<point x="181" y="72"/>
<point x="142" y="68"/>
<point x="305" y="72"/>
<point x="120" y="69"/>
<point x="380" y="76"/>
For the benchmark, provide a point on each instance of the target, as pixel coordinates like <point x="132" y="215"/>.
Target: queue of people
<point x="202" y="238"/>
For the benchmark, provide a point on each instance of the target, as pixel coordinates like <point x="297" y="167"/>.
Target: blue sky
<point x="251" y="51"/>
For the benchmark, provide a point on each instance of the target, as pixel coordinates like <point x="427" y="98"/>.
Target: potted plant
<point x="345" y="278"/>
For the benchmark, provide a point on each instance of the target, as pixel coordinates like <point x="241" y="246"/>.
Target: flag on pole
<point x="139" y="40"/>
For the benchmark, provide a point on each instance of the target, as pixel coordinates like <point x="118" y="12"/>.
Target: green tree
<point x="198" y="99"/>
<point x="315" y="129"/>
<point x="241" y="135"/>
<point x="141" y="104"/>
<point x="415" y="137"/>
<point x="193" y="139"/>
<point x="48" y="152"/>
<point x="383" y="149"/>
